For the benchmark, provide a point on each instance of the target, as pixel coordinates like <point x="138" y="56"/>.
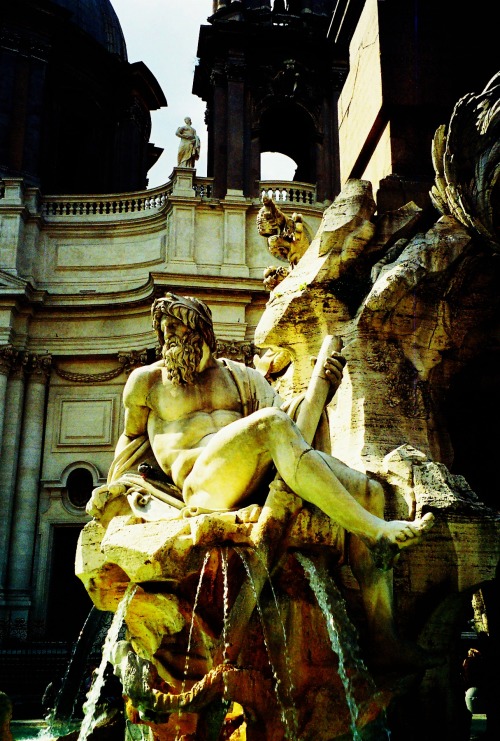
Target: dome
<point x="98" y="19"/>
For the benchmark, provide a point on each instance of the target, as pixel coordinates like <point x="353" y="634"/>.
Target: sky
<point x="164" y="35"/>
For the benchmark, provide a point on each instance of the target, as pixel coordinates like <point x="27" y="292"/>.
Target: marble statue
<point x="217" y="433"/>
<point x="226" y="477"/>
<point x="286" y="237"/>
<point x="189" y="407"/>
<point x="189" y="145"/>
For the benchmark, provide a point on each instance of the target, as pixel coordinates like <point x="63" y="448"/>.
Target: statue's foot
<point x="397" y="535"/>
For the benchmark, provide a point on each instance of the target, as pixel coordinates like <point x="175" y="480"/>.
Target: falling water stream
<point x="224" y="566"/>
<point x="63" y="718"/>
<point x="111" y="638"/>
<point x="342" y="634"/>
<point x="290" y="724"/>
<point x="191" y="627"/>
<point x="190" y="637"/>
<point x="288" y="667"/>
<point x="343" y="638"/>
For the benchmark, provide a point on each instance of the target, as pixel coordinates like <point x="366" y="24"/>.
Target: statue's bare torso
<point x="181" y="421"/>
<point x="218" y="457"/>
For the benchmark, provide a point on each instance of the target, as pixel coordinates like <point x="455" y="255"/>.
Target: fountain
<point x="89" y="720"/>
<point x="66" y="714"/>
<point x="251" y="620"/>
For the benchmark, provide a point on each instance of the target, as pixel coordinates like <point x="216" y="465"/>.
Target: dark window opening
<point x="69" y="603"/>
<point x="79" y="485"/>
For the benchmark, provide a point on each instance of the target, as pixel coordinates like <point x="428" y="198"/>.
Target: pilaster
<point x="234" y="257"/>
<point x="181" y="250"/>
<point x="13" y="412"/>
<point x="12" y="211"/>
<point x="27" y="486"/>
<point x="19" y="228"/>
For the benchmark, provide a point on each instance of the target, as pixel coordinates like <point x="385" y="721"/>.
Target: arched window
<point x="290" y="130"/>
<point x="79" y="485"/>
<point x="277" y="166"/>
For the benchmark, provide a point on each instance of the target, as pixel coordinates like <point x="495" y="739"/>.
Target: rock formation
<point x="230" y="626"/>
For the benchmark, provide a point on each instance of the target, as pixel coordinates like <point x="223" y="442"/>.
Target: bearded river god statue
<point x="261" y="565"/>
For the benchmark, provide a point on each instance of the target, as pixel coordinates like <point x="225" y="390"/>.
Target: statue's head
<point x="187" y="120"/>
<point x="192" y="312"/>
<point x="182" y="356"/>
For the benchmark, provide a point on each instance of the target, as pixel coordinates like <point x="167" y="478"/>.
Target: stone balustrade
<point x="284" y="191"/>
<point x="125" y="205"/>
<point x="122" y="205"/>
<point x="105" y="205"/>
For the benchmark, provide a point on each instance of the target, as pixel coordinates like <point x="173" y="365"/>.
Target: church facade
<point x="346" y="88"/>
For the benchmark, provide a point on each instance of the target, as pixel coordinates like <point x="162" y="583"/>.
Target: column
<point x="236" y="125"/>
<point x="13" y="411"/>
<point x="217" y="128"/>
<point x="7" y="359"/>
<point x="27" y="488"/>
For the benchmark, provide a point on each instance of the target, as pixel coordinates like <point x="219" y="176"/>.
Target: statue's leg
<point x="231" y="467"/>
<point x="334" y="488"/>
<point x="236" y="459"/>
<point x="239" y="455"/>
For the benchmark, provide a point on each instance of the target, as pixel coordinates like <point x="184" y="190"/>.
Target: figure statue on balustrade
<point x="189" y="145"/>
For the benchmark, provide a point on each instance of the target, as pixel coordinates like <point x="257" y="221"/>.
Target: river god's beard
<point x="182" y="356"/>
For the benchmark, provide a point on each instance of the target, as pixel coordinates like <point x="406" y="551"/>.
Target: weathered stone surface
<point x="406" y="306"/>
<point x="427" y="310"/>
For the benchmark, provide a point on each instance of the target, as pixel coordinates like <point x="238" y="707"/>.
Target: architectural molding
<point x="8" y="356"/>
<point x="128" y="361"/>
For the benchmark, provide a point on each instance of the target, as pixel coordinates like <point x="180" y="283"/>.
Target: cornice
<point x="221" y="284"/>
<point x="131" y="297"/>
<point x="13" y="288"/>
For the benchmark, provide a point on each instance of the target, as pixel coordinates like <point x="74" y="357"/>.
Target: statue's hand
<point x="333" y="368"/>
<point x="101" y="496"/>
